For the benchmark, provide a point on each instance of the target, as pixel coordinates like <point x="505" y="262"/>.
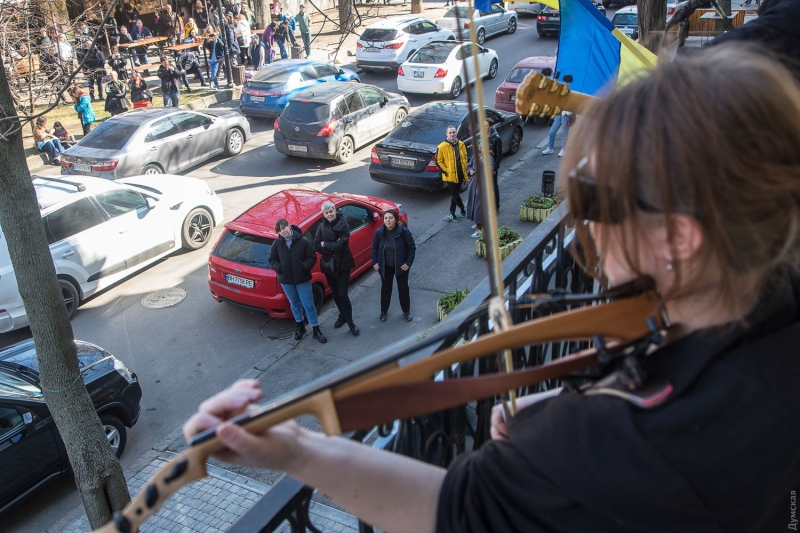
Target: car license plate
<point x="296" y="148"/>
<point x="403" y="162"/>
<point x="257" y="98"/>
<point x="513" y="97"/>
<point x="236" y="280"/>
<point x="419" y="73"/>
<point x="82" y="168"/>
<point x="372" y="50"/>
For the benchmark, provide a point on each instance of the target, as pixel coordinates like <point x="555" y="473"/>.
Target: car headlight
<point x="120" y="367"/>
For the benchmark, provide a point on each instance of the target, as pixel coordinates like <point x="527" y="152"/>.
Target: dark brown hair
<point x="280" y="224"/>
<point x="393" y="213"/>
<point x="713" y="136"/>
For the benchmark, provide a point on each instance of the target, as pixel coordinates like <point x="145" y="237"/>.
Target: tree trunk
<point x="347" y="16"/>
<point x="652" y="17"/>
<point x="261" y="8"/>
<point x="98" y="473"/>
<point x="54" y="11"/>
<point x="416" y="6"/>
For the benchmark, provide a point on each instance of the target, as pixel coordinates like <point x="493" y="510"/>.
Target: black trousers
<point x="455" y="200"/>
<point x="496" y="190"/>
<point x="95" y="78"/>
<point x="197" y="74"/>
<point x="339" y="284"/>
<point x="402" y="289"/>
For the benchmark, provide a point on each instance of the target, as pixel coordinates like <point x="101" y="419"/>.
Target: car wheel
<point x="354" y="80"/>
<point x="512" y="25"/>
<point x="234" y="142"/>
<point x="451" y="38"/>
<point x="319" y="296"/>
<point x="455" y="89"/>
<point x="516" y="139"/>
<point x="493" y="69"/>
<point x="151" y="170"/>
<point x="116" y="434"/>
<point x="464" y="185"/>
<point x="345" y="150"/>
<point x="400" y="116"/>
<point x="72" y="298"/>
<point x="481" y="35"/>
<point x="196" y="230"/>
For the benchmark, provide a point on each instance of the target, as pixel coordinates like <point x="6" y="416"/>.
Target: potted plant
<point x="537" y="208"/>
<point x="448" y="301"/>
<point x="509" y="239"/>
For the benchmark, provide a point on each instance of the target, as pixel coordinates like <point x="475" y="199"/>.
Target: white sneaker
<point x="476" y="235"/>
<point x="561" y="153"/>
<point x="547" y="151"/>
<point x="474" y="226"/>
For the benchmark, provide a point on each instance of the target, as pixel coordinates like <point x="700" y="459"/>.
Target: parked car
<point x="528" y="8"/>
<point x="31" y="450"/>
<point x="607" y="3"/>
<point x="505" y="98"/>
<point x="438" y="68"/>
<point x="332" y="121"/>
<point x="407" y="156"/>
<point x="102" y="231"/>
<point x="386" y="44"/>
<point x="498" y="20"/>
<point x="627" y="20"/>
<point x="270" y="89"/>
<point x="548" y="22"/>
<point x="156" y="140"/>
<point x="238" y="267"/>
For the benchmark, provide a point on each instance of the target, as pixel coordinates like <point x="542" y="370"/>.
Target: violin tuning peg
<point x="536" y="108"/>
<point x="564" y="90"/>
<point x="547" y="71"/>
<point x="567" y="78"/>
<point x="546" y="110"/>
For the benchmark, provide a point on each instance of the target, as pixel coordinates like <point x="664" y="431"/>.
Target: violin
<point x="384" y="387"/>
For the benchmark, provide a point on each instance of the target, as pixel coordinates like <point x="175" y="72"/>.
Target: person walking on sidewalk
<point x="292" y="257"/>
<point x="451" y="157"/>
<point x="393" y="252"/>
<point x="561" y="121"/>
<point x="170" y="82"/>
<point x="304" y="23"/>
<point x="333" y="242"/>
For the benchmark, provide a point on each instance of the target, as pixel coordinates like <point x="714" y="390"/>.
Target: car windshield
<point x="270" y="78"/>
<point x="110" y="135"/>
<point x="244" y="248"/>
<point x="421" y="129"/>
<point x="379" y="35"/>
<point x="626" y="20"/>
<point x="463" y="12"/>
<point x="304" y="111"/>
<point x="433" y="53"/>
<point x="518" y="74"/>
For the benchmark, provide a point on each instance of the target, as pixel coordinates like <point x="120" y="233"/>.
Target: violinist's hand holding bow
<point x="499" y="430"/>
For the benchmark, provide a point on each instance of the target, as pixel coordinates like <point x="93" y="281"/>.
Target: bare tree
<point x="652" y="18"/>
<point x="416" y="6"/>
<point x="98" y="474"/>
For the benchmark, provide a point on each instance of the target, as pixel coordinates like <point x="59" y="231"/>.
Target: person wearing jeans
<point x="393" y="252"/>
<point x="170" y="88"/>
<point x="304" y="23"/>
<point x="292" y="257"/>
<point x="47" y="142"/>
<point x="561" y="121"/>
<point x="216" y="52"/>
<point x="451" y="157"/>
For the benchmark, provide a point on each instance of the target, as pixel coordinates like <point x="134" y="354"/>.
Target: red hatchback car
<point x="238" y="267"/>
<point x="505" y="97"/>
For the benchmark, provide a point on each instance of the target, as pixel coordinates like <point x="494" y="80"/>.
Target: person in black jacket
<point x="190" y="64"/>
<point x="496" y="147"/>
<point x="118" y="63"/>
<point x="292" y="257"/>
<point x="170" y="82"/>
<point x="94" y="67"/>
<point x="393" y="252"/>
<point x="333" y="242"/>
<point x="710" y="442"/>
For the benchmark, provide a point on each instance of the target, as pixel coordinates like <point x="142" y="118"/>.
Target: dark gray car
<point x="331" y="120"/>
<point x="156" y="141"/>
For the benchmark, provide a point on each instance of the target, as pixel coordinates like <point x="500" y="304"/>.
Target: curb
<point x="40" y="160"/>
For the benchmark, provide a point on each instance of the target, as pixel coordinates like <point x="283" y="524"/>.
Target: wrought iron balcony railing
<point x="542" y="263"/>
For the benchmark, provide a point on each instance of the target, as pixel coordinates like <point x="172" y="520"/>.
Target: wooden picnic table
<point x="178" y="48"/>
<point x="142" y="42"/>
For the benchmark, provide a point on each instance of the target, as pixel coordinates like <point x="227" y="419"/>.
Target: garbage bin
<point x="238" y="74"/>
<point x="298" y="52"/>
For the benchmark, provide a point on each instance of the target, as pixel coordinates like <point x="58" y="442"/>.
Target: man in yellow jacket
<point x="451" y="156"/>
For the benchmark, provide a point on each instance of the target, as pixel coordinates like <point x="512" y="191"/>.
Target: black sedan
<point x="407" y="156"/>
<point x="31" y="450"/>
<point x="548" y="22"/>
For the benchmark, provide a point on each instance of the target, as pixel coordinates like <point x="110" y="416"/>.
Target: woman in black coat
<point x="292" y="257"/>
<point x="333" y="242"/>
<point x="393" y="252"/>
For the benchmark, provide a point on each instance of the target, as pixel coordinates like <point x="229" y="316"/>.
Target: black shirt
<point x="388" y="248"/>
<point x="720" y="454"/>
<point x="459" y="170"/>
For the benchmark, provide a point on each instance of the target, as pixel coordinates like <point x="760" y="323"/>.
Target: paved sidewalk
<point x="209" y="505"/>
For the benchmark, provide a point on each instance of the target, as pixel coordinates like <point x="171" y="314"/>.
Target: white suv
<point x="387" y="44"/>
<point x="102" y="231"/>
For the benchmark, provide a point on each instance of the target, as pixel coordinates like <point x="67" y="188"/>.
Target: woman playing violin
<point x="698" y="188"/>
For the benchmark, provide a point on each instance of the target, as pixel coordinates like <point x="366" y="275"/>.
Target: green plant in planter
<point x="506" y="236"/>
<point x="540" y="202"/>
<point x="450" y="300"/>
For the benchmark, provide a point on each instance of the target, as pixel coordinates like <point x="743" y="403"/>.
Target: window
<point x="428" y="27"/>
<point x="324" y="70"/>
<point x="465" y="52"/>
<point x="118" y="203"/>
<point x="306" y="112"/>
<point x="110" y="135"/>
<point x="161" y="129"/>
<point x="371" y="96"/>
<point x="355" y="215"/>
<point x="518" y="74"/>
<point x="354" y="102"/>
<point x="71" y="220"/>
<point x="308" y="74"/>
<point x="312" y="231"/>
<point x="342" y="107"/>
<point x="245" y="249"/>
<point x="9" y="421"/>
<point x="189" y="121"/>
<point x="379" y="35"/>
<point x="11" y="385"/>
<point x="496" y="9"/>
<point x="415" y="29"/>
<point x="435" y="53"/>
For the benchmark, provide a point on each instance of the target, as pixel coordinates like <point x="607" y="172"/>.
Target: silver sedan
<point x="498" y="20"/>
<point x="156" y="141"/>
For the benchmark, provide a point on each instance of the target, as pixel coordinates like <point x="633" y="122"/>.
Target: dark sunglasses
<point x="585" y="188"/>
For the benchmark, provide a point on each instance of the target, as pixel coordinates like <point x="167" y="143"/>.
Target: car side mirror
<point x="376" y="217"/>
<point x="384" y="101"/>
<point x="151" y="203"/>
<point x="484" y="50"/>
<point x="341" y="71"/>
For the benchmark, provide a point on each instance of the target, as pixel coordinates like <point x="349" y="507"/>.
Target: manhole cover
<point x="275" y="329"/>
<point x="163" y="298"/>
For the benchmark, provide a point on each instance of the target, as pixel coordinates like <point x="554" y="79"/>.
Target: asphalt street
<point x="185" y="353"/>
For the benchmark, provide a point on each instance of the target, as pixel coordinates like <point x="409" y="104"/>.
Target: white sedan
<point x="439" y="68"/>
<point x="101" y="231"/>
